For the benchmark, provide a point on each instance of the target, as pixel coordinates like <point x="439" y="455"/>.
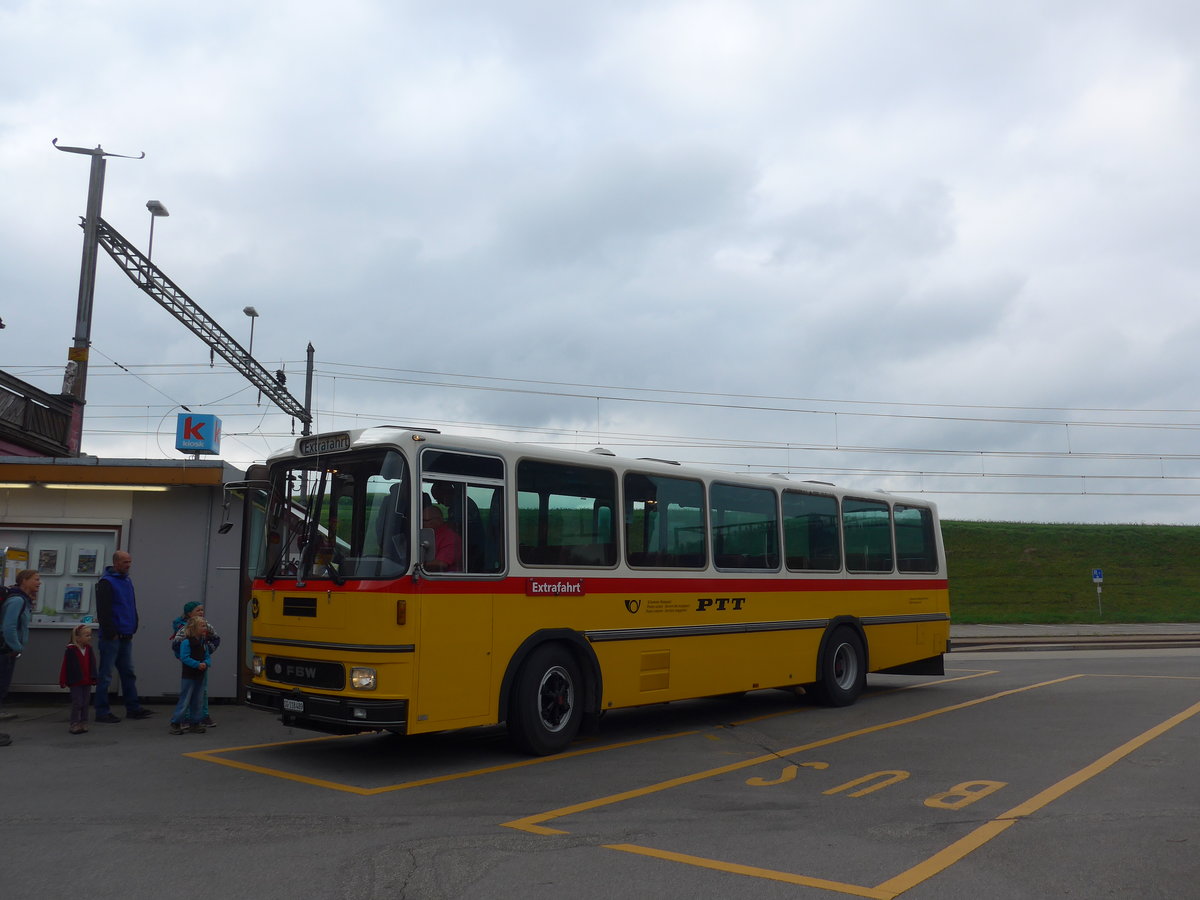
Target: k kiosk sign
<point x="197" y="434"/>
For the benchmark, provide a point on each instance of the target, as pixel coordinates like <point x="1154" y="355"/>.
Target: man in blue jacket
<point x="116" y="610"/>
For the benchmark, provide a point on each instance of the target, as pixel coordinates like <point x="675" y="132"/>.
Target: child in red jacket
<point x="78" y="672"/>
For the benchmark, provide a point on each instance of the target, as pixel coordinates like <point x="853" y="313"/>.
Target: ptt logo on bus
<point x="705" y="604"/>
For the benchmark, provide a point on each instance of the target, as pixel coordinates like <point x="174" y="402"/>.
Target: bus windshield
<point x="336" y="521"/>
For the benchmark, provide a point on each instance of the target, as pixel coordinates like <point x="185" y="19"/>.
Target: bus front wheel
<point x="843" y="672"/>
<point x="547" y="702"/>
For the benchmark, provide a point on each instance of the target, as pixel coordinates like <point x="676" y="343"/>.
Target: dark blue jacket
<point x="116" y="607"/>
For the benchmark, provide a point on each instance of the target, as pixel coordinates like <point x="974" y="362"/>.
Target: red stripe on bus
<point x="517" y="584"/>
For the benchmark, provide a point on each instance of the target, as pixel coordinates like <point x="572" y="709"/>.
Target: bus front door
<point x="455" y="662"/>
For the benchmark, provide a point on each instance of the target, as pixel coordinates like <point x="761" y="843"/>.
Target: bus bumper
<point x="331" y="715"/>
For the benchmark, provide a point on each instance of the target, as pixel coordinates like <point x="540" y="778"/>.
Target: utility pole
<point x="306" y="430"/>
<point x="75" y="375"/>
<point x="98" y="234"/>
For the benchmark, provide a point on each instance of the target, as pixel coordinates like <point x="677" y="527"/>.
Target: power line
<point x="743" y="446"/>
<point x="335" y="371"/>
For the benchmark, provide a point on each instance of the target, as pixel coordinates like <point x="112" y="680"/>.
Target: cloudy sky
<point x="938" y="248"/>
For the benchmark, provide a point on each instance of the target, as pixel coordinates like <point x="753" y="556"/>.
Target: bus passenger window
<point x="916" y="546"/>
<point x="745" y="527"/>
<point x="664" y="522"/>
<point x="868" y="535"/>
<point x="565" y="515"/>
<point x="810" y="532"/>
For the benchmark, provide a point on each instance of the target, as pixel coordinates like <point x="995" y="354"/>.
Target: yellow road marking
<point x="923" y="871"/>
<point x="214" y="756"/>
<point x="534" y="825"/>
<point x="753" y="871"/>
<point x="907" y="687"/>
<point x="984" y="833"/>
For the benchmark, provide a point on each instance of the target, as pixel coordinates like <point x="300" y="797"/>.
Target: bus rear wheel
<point x="547" y="702"/>
<point x="843" y="672"/>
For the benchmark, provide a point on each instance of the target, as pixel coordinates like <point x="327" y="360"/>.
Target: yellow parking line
<point x="214" y="756"/>
<point x="975" y="673"/>
<point x="984" y="833"/>
<point x="896" y="690"/>
<point x="534" y="824"/>
<point x="754" y="872"/>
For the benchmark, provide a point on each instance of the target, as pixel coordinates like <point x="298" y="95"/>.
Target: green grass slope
<point x="1006" y="572"/>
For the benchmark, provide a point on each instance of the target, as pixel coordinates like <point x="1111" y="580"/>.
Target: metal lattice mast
<point x="167" y="294"/>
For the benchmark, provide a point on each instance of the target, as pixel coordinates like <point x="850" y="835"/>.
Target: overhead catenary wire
<point x="199" y="375"/>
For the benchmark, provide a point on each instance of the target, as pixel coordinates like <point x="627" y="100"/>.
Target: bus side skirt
<point x="934" y="665"/>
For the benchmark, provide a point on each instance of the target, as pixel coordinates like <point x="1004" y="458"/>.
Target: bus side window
<point x="810" y="532"/>
<point x="489" y="502"/>
<point x="868" y="535"/>
<point x="565" y="514"/>
<point x="745" y="527"/>
<point x="664" y="522"/>
<point x="916" y="547"/>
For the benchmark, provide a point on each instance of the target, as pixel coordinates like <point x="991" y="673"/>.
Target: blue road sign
<point x="1097" y="575"/>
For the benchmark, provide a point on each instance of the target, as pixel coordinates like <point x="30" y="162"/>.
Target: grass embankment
<point x="1003" y="572"/>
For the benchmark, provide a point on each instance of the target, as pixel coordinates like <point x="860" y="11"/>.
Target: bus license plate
<point x="290" y="705"/>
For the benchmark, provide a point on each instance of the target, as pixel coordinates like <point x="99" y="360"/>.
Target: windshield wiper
<point x="313" y="527"/>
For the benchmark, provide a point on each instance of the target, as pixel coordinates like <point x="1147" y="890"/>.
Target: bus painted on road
<point x="413" y="581"/>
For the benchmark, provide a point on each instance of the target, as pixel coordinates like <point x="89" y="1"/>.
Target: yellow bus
<point x="411" y="581"/>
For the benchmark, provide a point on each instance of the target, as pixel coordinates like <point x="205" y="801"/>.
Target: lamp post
<point x="156" y="209"/>
<point x="253" y="314"/>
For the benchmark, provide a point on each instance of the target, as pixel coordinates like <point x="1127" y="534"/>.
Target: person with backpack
<point x="19" y="602"/>
<point x="195" y="660"/>
<point x="191" y="610"/>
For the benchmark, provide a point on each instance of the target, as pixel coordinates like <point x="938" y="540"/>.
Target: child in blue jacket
<point x="212" y="641"/>
<point x="195" y="659"/>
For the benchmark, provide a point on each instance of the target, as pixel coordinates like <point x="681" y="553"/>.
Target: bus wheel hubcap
<point x="556" y="698"/>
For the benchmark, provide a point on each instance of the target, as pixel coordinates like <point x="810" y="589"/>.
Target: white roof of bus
<point x="397" y="435"/>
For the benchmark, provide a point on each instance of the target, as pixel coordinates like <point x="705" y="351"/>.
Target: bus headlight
<point x="362" y="678"/>
<point x="256" y="665"/>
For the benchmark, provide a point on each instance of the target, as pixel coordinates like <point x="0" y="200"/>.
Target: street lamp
<point x="156" y="209"/>
<point x="253" y="314"/>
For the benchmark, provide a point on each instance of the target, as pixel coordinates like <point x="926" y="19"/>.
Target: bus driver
<point x="447" y="545"/>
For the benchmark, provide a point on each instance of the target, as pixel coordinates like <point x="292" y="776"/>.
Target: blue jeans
<point x="191" y="701"/>
<point x="119" y="652"/>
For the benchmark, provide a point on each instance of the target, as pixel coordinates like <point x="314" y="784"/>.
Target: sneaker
<point x="108" y="719"/>
<point x="207" y="722"/>
<point x="140" y="713"/>
<point x="76" y="729"/>
<point x="5" y="740"/>
<point x="196" y="729"/>
<point x="174" y="728"/>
